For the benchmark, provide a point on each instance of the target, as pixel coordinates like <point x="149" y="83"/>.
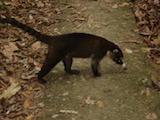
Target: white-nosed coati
<point x="66" y="46"/>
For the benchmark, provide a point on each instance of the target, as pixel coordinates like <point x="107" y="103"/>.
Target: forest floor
<point x="117" y="94"/>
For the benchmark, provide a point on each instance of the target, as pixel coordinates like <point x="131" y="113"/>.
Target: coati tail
<point x="39" y="36"/>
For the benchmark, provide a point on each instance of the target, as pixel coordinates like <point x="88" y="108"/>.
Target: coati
<point x="67" y="46"/>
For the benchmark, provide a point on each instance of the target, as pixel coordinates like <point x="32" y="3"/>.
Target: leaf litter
<point x="21" y="57"/>
<point x="147" y="17"/>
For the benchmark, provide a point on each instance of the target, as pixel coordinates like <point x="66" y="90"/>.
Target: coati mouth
<point x="124" y="66"/>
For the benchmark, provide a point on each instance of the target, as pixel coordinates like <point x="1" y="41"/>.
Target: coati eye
<point x="119" y="60"/>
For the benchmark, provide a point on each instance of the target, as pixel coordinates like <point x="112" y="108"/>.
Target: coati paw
<point x="42" y="81"/>
<point x="97" y="74"/>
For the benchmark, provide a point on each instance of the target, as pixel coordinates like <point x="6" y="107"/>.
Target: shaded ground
<point x="117" y="94"/>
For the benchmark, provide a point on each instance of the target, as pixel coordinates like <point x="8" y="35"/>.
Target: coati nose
<point x="124" y="66"/>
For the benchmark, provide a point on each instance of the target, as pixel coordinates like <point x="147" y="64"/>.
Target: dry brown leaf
<point x="133" y="41"/>
<point x="145" y="31"/>
<point x="89" y="101"/>
<point x="123" y="4"/>
<point x="16" y="49"/>
<point x="65" y="94"/>
<point x="11" y="90"/>
<point x="28" y="93"/>
<point x="41" y="104"/>
<point x="40" y="4"/>
<point x="156" y="42"/>
<point x="149" y="25"/>
<point x="148" y="92"/>
<point x="115" y="6"/>
<point x="156" y="2"/>
<point x="30" y="117"/>
<point x="55" y="116"/>
<point x="100" y="104"/>
<point x="129" y="51"/>
<point x="158" y="61"/>
<point x="155" y="77"/>
<point x="27" y="103"/>
<point x="30" y="74"/>
<point x="35" y="46"/>
<point x="9" y="49"/>
<point x="154" y="55"/>
<point x="151" y="116"/>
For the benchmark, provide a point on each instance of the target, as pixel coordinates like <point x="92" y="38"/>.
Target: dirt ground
<point x="117" y="94"/>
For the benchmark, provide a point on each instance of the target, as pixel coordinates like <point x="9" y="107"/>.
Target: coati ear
<point x="115" y="51"/>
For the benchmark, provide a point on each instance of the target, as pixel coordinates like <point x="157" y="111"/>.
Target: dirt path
<point x="117" y="95"/>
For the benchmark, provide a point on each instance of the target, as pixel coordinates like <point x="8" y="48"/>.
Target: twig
<point x="132" y="41"/>
<point x="68" y="111"/>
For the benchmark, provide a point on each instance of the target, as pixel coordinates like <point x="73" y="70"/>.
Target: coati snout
<point x="65" y="47"/>
<point x="117" y="56"/>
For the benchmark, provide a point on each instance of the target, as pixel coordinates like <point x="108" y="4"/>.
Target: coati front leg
<point x="95" y="66"/>
<point x="67" y="61"/>
<point x="53" y="57"/>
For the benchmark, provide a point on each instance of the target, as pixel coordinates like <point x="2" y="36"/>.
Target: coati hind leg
<point x="53" y="57"/>
<point x="67" y="61"/>
<point x="95" y="66"/>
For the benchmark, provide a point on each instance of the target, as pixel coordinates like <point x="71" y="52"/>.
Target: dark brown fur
<point x="67" y="46"/>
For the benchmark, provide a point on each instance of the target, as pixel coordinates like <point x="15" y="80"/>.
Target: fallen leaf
<point x="115" y="6"/>
<point x="155" y="77"/>
<point x="158" y="61"/>
<point x="148" y="92"/>
<point x="129" y="51"/>
<point x="151" y="116"/>
<point x="89" y="101"/>
<point x="35" y="46"/>
<point x="9" y="49"/>
<point x="133" y="41"/>
<point x="100" y="104"/>
<point x="156" y="2"/>
<point x="123" y="4"/>
<point x="65" y="94"/>
<point x="55" y="116"/>
<point x="28" y="75"/>
<point x="41" y="104"/>
<point x="30" y="117"/>
<point x="30" y="17"/>
<point x="154" y="55"/>
<point x="40" y="4"/>
<point x="27" y="103"/>
<point x="11" y="90"/>
<point x="142" y="92"/>
<point x="156" y="42"/>
<point x="147" y="26"/>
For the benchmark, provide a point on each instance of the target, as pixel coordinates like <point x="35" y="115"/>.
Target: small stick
<point x="68" y="111"/>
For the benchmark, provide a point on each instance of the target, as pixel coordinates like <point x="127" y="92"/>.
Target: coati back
<point x="67" y="46"/>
